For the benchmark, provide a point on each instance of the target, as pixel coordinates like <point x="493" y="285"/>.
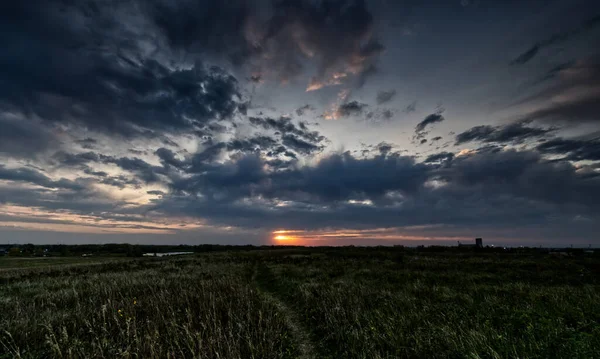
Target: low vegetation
<point x="291" y="303"/>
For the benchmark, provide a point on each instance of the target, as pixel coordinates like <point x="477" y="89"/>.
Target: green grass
<point x="326" y="303"/>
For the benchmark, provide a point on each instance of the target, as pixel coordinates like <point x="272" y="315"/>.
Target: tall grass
<point x="178" y="309"/>
<point x="445" y="306"/>
<point x="334" y="303"/>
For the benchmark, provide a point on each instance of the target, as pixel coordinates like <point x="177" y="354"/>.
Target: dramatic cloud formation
<point x="276" y="38"/>
<point x="574" y="150"/>
<point x="210" y="121"/>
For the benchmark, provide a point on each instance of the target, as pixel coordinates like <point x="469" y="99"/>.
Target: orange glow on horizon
<point x="283" y="238"/>
<point x="341" y="237"/>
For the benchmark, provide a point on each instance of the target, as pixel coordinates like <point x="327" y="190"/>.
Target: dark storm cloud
<point x="385" y="96"/>
<point x="121" y="182"/>
<point x="384" y="148"/>
<point x="101" y="71"/>
<point x="21" y="138"/>
<point x="205" y="160"/>
<point x="492" y="188"/>
<point x="439" y="157"/>
<point x="200" y="160"/>
<point x="277" y="36"/>
<point x="285" y="126"/>
<point x="79" y="159"/>
<point x="299" y="145"/>
<point x="95" y="173"/>
<point x="336" y="33"/>
<point x="253" y="144"/>
<point x="525" y="174"/>
<point x="88" y="143"/>
<point x="515" y="132"/>
<point x="477" y="133"/>
<point x="140" y="168"/>
<point x="230" y="180"/>
<point x="258" y="144"/>
<point x="555" y="39"/>
<point x="168" y="158"/>
<point x="203" y="26"/>
<point x="352" y="108"/>
<point x="32" y="176"/>
<point x="429" y="120"/>
<point x="77" y="64"/>
<point x="342" y="177"/>
<point x="572" y="149"/>
<point x="79" y="199"/>
<point x="335" y="178"/>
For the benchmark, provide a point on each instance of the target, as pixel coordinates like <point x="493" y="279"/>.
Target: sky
<point x="304" y="122"/>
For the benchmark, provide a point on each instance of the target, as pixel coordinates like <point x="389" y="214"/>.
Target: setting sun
<point x="285" y="235"/>
<point x="281" y="237"/>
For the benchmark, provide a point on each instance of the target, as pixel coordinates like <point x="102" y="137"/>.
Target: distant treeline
<point x="137" y="250"/>
<point x="117" y="249"/>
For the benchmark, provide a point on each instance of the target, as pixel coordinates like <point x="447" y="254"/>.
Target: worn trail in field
<point x="301" y="335"/>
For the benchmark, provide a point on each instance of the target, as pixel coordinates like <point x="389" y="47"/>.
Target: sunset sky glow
<point x="306" y="122"/>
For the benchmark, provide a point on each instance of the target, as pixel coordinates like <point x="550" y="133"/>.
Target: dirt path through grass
<point x="301" y="335"/>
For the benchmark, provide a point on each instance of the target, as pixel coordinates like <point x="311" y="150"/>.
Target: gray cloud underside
<point x="490" y="187"/>
<point x="578" y="83"/>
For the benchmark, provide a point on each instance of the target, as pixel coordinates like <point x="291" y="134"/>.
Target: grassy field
<point x="305" y="303"/>
<point x="12" y="263"/>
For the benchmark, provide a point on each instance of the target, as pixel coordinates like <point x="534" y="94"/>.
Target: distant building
<point x="478" y="244"/>
<point x="3" y="252"/>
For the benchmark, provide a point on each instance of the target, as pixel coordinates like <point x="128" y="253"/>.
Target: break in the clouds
<point x="225" y="121"/>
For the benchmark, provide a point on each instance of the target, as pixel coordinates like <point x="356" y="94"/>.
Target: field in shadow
<point x="304" y="303"/>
